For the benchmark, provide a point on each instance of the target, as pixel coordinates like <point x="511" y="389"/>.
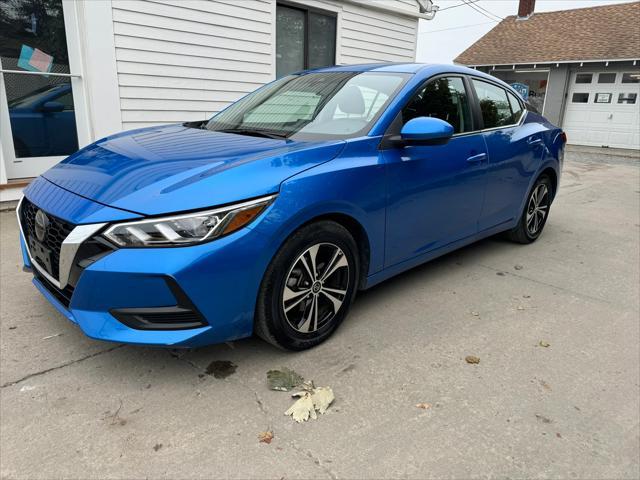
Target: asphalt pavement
<point x="556" y="393"/>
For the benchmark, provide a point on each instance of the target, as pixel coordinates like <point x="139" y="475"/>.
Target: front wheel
<point x="308" y="287"/>
<point x="535" y="214"/>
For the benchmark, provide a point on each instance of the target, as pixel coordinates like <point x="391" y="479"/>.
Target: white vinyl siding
<point x="181" y="60"/>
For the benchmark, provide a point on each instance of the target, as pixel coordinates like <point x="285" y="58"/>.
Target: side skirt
<point x="398" y="268"/>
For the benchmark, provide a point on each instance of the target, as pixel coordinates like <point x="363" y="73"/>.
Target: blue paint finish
<point x="175" y="168"/>
<point x="426" y="128"/>
<point x="411" y="202"/>
<point x="435" y="195"/>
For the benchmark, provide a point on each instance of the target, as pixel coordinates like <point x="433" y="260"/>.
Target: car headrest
<point x="350" y="100"/>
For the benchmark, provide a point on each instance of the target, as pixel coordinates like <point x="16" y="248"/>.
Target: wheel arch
<point x="553" y="175"/>
<point x="357" y="231"/>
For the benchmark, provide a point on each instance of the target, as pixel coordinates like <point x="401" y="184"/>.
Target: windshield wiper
<point x="201" y="124"/>
<point x="254" y="133"/>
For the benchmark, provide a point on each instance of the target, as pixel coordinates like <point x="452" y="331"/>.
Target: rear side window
<point x="443" y="98"/>
<point x="516" y="108"/>
<point x="494" y="104"/>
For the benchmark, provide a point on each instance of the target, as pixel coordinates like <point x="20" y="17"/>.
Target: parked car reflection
<point x="44" y="123"/>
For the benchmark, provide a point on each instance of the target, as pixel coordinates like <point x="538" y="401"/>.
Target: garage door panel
<point x="610" y="124"/>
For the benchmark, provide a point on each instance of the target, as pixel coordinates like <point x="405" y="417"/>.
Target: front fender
<point x="354" y="186"/>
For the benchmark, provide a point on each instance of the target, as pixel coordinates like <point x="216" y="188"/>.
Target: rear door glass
<point x="494" y="105"/>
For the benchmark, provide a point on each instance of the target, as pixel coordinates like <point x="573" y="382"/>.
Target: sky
<point x="453" y="30"/>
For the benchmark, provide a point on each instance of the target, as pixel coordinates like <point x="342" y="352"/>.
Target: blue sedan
<point x="270" y="216"/>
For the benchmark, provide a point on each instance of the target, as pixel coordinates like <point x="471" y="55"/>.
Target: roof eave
<point x="547" y="62"/>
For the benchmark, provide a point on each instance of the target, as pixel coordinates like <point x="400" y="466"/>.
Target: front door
<point x="435" y="193"/>
<point x="37" y="87"/>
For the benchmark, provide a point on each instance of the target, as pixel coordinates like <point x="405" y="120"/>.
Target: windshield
<point x="312" y="106"/>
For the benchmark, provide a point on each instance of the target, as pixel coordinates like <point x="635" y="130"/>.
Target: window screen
<point x="494" y="104"/>
<point x="444" y="98"/>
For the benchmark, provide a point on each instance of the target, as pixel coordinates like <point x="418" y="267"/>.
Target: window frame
<point x="395" y="126"/>
<point x="476" y="104"/>
<point x="305" y="9"/>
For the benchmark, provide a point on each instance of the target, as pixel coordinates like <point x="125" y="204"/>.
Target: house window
<point x="305" y="38"/>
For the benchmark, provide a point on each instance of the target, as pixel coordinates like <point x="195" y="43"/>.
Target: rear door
<point x="435" y="192"/>
<point x="515" y="150"/>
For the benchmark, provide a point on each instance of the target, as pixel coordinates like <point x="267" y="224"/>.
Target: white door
<point x="40" y="87"/>
<point x="603" y="109"/>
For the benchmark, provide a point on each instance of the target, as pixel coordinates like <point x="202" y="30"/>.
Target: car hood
<point x="175" y="168"/>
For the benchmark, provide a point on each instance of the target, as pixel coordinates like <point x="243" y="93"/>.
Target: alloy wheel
<point x="537" y="209"/>
<point x="315" y="287"/>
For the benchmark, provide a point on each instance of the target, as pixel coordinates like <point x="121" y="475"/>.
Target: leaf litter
<point x="283" y="380"/>
<point x="311" y="400"/>
<point x="265" y="437"/>
<point x="472" y="359"/>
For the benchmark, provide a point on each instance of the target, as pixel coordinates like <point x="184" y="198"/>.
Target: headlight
<point x="186" y="229"/>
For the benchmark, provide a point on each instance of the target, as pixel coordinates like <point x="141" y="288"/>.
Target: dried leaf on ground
<point x="309" y="402"/>
<point x="424" y="406"/>
<point x="472" y="359"/>
<point x="544" y="344"/>
<point x="265" y="437"/>
<point x="283" y="380"/>
<point x="302" y="409"/>
<point x="322" y="397"/>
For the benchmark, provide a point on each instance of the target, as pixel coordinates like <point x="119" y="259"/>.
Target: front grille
<point x="63" y="296"/>
<point x="55" y="234"/>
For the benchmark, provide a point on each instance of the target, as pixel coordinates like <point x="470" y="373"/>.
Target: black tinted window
<point x="494" y="104"/>
<point x="516" y="108"/>
<point x="444" y="98"/>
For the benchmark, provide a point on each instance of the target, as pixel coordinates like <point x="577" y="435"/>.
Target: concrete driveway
<point x="77" y="408"/>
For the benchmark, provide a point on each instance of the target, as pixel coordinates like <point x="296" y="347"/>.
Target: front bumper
<point x="220" y="280"/>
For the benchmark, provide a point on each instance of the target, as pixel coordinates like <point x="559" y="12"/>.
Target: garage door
<point x="603" y="109"/>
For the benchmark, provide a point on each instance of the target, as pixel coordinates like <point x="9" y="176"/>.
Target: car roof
<point x="422" y="70"/>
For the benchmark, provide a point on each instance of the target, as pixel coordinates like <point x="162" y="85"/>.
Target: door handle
<point x="481" y="157"/>
<point x="534" y="141"/>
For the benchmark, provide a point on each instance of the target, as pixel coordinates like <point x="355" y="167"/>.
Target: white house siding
<point x="183" y="60"/>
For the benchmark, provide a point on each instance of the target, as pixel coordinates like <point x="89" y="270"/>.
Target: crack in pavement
<point x="263" y="410"/>
<point x="58" y="367"/>
<point x="551" y="285"/>
<point x="315" y="459"/>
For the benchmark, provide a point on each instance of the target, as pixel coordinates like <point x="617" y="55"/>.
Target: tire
<point x="534" y="216"/>
<point x="285" y="313"/>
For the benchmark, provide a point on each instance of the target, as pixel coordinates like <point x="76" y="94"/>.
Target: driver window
<point x="443" y="98"/>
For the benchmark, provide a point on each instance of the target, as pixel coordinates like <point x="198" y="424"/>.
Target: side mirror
<point x="52" y="107"/>
<point x="426" y="131"/>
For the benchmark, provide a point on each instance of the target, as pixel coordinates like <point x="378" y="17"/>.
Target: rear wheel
<point x="308" y="287"/>
<point x="535" y="214"/>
